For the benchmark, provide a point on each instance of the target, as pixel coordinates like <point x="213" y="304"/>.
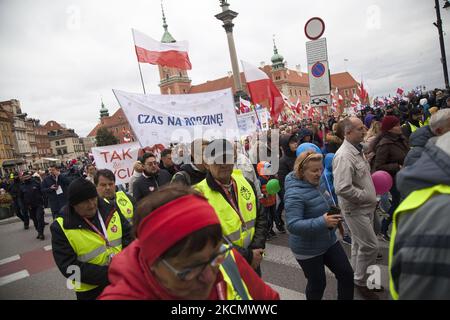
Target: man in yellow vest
<point x="234" y="199"/>
<point x="419" y="255"/>
<point x="414" y="121"/>
<point x="86" y="237"/>
<point x="105" y="181"/>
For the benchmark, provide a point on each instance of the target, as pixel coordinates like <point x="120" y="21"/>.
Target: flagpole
<point x="139" y="65"/>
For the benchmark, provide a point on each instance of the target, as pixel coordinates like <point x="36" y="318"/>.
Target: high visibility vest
<point x="236" y="287"/>
<point x="238" y="233"/>
<point x="91" y="248"/>
<point x="415" y="200"/>
<point x="413" y="127"/>
<point x="125" y="205"/>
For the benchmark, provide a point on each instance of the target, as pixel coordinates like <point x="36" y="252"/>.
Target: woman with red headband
<point x="179" y="253"/>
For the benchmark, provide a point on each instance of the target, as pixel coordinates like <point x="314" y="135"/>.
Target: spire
<point x="277" y="59"/>
<point x="103" y="111"/>
<point x="167" y="37"/>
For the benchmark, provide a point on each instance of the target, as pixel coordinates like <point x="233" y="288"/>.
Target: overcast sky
<point x="59" y="58"/>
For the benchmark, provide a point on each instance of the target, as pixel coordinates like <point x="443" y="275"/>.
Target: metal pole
<point x="438" y="25"/>
<point x="139" y="65"/>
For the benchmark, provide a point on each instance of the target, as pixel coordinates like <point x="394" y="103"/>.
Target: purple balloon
<point x="382" y="181"/>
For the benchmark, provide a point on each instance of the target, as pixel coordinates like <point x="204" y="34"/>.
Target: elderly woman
<point x="179" y="254"/>
<point x="311" y="221"/>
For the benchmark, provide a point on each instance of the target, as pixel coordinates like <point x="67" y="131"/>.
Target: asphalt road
<point x="27" y="269"/>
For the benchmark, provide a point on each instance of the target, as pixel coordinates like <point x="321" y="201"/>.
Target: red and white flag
<point x="363" y="92"/>
<point x="356" y="98"/>
<point x="172" y="55"/>
<point x="245" y="106"/>
<point x="400" y="91"/>
<point x="261" y="88"/>
<point x="298" y="106"/>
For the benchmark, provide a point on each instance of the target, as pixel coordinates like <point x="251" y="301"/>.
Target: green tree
<point x="105" y="138"/>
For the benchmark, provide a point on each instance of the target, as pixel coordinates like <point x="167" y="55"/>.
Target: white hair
<point x="443" y="142"/>
<point x="439" y="120"/>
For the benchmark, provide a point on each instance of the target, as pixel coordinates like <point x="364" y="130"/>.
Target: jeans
<point x="279" y="210"/>
<point x="271" y="217"/>
<point x="37" y="215"/>
<point x="395" y="202"/>
<point x="314" y="269"/>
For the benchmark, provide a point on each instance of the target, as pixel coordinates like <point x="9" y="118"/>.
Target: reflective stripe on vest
<point x="236" y="288"/>
<point x="125" y="205"/>
<point x="91" y="248"/>
<point x="414" y="201"/>
<point x="413" y="127"/>
<point x="232" y="227"/>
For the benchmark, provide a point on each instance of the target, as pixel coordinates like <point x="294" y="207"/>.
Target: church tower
<point x="173" y="80"/>
<point x="279" y="71"/>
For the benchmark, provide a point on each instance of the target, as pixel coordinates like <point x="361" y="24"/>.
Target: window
<point x="63" y="142"/>
<point x="354" y="91"/>
<point x="167" y="76"/>
<point x="57" y="143"/>
<point x="290" y="92"/>
<point x="346" y="93"/>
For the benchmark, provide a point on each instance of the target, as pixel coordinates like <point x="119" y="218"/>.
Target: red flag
<point x="363" y="92"/>
<point x="400" y="91"/>
<point x="261" y="88"/>
<point x="173" y="55"/>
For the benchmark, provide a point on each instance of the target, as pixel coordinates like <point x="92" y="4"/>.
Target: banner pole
<point x="139" y="65"/>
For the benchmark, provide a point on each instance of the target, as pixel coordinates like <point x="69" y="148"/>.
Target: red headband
<point x="170" y="223"/>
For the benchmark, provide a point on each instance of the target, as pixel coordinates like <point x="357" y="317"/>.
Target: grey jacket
<point x="422" y="259"/>
<point x="431" y="169"/>
<point x="417" y="142"/>
<point x="352" y="180"/>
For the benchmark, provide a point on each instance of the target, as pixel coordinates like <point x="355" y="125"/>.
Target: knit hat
<point x="389" y="122"/>
<point x="172" y="222"/>
<point x="81" y="190"/>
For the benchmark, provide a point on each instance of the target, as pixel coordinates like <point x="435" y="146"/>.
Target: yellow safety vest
<point x="236" y="287"/>
<point x="415" y="200"/>
<point x="125" y="205"/>
<point x="239" y="234"/>
<point x="413" y="127"/>
<point x="91" y="248"/>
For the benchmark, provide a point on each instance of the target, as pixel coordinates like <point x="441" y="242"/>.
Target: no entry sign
<point x="314" y="28"/>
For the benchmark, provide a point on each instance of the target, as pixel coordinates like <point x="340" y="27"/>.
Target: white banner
<point x="118" y="158"/>
<point x="180" y="118"/>
<point x="248" y="122"/>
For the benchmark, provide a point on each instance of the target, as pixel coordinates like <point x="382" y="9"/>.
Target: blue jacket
<point x="305" y="207"/>
<point x="327" y="176"/>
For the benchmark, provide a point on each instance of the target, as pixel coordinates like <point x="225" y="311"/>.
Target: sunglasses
<point x="193" y="272"/>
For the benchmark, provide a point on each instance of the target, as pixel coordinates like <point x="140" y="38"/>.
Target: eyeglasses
<point x="193" y="272"/>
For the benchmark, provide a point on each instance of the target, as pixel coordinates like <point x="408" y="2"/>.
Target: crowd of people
<point x="198" y="230"/>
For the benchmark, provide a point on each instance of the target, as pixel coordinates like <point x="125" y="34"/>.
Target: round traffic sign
<point x="314" y="28"/>
<point x="318" y="69"/>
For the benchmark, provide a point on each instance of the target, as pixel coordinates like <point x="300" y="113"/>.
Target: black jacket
<point x="31" y="194"/>
<point x="287" y="160"/>
<point x="51" y="194"/>
<point x="259" y="239"/>
<point x="188" y="175"/>
<point x="64" y="254"/>
<point x="143" y="186"/>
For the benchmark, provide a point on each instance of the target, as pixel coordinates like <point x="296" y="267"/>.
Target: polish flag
<point x="172" y="55"/>
<point x="298" y="106"/>
<point x="245" y="106"/>
<point x="261" y="88"/>
<point x="356" y="98"/>
<point x="363" y="92"/>
<point x="400" y="91"/>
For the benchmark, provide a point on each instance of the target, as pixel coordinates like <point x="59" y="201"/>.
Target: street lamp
<point x="438" y="25"/>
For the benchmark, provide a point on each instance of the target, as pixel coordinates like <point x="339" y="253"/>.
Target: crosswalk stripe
<point x="284" y="255"/>
<point x="13" y="277"/>
<point x="287" y="294"/>
<point x="10" y="259"/>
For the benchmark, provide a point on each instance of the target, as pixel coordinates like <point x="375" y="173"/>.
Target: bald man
<point x="358" y="200"/>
